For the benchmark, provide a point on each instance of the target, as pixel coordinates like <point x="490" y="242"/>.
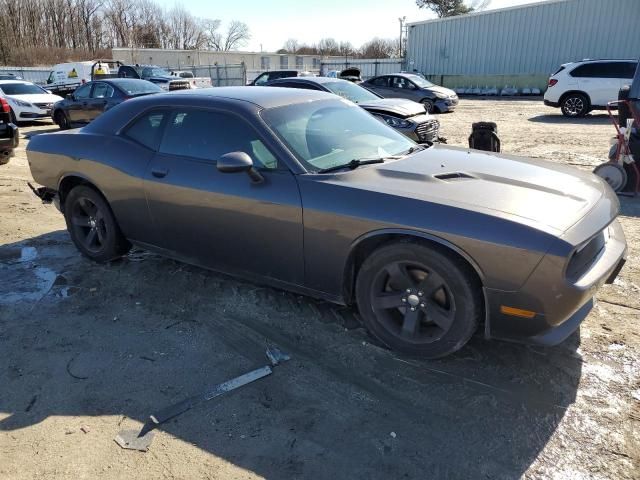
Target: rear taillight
<point x="4" y="105"/>
<point x="552" y="82"/>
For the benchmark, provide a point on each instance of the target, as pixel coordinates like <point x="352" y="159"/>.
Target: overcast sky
<point x="272" y="22"/>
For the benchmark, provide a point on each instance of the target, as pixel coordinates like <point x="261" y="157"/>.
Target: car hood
<point x="398" y="107"/>
<point x="37" y="98"/>
<point x="441" y="90"/>
<point x="543" y="195"/>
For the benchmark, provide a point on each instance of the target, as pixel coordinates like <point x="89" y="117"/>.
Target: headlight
<point x="442" y="96"/>
<point x="164" y="86"/>
<point x="20" y="103"/>
<point x="395" y="122"/>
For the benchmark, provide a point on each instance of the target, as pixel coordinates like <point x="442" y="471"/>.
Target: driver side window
<point x="207" y="135"/>
<point x="82" y="92"/>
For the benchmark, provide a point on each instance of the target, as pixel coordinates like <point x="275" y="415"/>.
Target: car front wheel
<point x="428" y="105"/>
<point x="575" y="105"/>
<point x="92" y="226"/>
<point x="418" y="300"/>
<point x="61" y="119"/>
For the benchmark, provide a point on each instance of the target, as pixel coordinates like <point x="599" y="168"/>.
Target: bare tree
<point x="451" y="8"/>
<point x="291" y="45"/>
<point x="236" y="37"/>
<point x="379" y="48"/>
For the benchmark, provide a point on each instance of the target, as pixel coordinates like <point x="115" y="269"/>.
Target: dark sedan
<point x="414" y="87"/>
<point x="308" y="192"/>
<point x="94" y="98"/>
<point x="409" y="118"/>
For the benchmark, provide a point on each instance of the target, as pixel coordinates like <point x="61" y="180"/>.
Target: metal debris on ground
<point x="134" y="440"/>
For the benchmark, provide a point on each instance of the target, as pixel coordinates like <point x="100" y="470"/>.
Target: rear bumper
<point x="560" y="305"/>
<point x="549" y="103"/>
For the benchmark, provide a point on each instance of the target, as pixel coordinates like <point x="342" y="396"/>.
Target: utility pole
<point x="401" y="20"/>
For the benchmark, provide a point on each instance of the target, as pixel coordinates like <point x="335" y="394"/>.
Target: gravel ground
<point x="87" y="350"/>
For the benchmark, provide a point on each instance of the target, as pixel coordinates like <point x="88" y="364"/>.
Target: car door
<point x="599" y="81"/>
<point x="401" y="87"/>
<point x="380" y="85"/>
<point x="101" y="94"/>
<point x="76" y="109"/>
<point x="224" y="220"/>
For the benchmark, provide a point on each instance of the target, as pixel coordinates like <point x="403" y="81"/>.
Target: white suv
<point x="577" y="88"/>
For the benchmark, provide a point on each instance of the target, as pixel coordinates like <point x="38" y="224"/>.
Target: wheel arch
<point x="369" y="242"/>
<point x="72" y="180"/>
<point x="571" y="92"/>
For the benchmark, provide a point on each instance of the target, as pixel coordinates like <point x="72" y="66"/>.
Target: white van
<point x="66" y="77"/>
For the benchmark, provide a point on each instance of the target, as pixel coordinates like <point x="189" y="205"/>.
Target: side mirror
<point x="235" y="162"/>
<point x="69" y="96"/>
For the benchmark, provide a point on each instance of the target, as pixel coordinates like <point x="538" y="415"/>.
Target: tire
<point x="14" y="119"/>
<point x="429" y="106"/>
<point x="92" y="226"/>
<point x="575" y="105"/>
<point x="61" y="119"/>
<point x="4" y="159"/>
<point x="396" y="278"/>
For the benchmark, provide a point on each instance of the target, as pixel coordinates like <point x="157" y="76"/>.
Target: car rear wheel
<point x="417" y="300"/>
<point x="61" y="119"/>
<point x="92" y="226"/>
<point x="428" y="105"/>
<point x="575" y="105"/>
<point x="14" y="119"/>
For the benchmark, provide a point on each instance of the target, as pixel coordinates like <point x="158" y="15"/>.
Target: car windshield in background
<point x="419" y="81"/>
<point x="328" y="133"/>
<point x="351" y="91"/>
<point x="136" y="87"/>
<point x="155" y="72"/>
<point x="185" y="75"/>
<point x="21" y="89"/>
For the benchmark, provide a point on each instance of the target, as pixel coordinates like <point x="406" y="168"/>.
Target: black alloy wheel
<point x="417" y="300"/>
<point x="92" y="225"/>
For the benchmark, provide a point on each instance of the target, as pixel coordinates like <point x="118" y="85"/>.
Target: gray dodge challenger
<point x="308" y="192"/>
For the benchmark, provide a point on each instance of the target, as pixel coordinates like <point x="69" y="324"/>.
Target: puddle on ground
<point x="22" y="280"/>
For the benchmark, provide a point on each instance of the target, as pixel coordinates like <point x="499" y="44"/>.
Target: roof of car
<point x="119" y="80"/>
<point x="13" y="81"/>
<point x="319" y="80"/>
<point x="264" y="97"/>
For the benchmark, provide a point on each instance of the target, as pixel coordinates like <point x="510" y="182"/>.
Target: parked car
<point x="9" y="76"/>
<point x="308" y="192"/>
<point x="414" y="87"/>
<point x="66" y="77"/>
<point x="196" y="82"/>
<point x="579" y="87"/>
<point x="353" y="74"/>
<point x="409" y="118"/>
<point x="157" y="75"/>
<point x="27" y="100"/>
<point x="266" y="77"/>
<point x="94" y="98"/>
<point x="9" y="135"/>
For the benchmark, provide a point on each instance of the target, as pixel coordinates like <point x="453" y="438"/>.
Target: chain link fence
<point x="368" y="68"/>
<point x="221" y="75"/>
<point x="38" y="75"/>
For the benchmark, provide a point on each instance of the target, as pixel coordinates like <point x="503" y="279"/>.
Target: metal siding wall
<point x="529" y="40"/>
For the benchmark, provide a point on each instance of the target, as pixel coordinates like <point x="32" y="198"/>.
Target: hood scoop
<point x="453" y="176"/>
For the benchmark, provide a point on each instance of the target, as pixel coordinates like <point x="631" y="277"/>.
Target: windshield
<point x="419" y="81"/>
<point x="351" y="91"/>
<point x="21" y="89"/>
<point x="185" y="75"/>
<point x="138" y="87"/>
<point x="327" y="133"/>
<point x="155" y="72"/>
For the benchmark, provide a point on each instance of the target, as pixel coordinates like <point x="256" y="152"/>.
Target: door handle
<point x="159" y="173"/>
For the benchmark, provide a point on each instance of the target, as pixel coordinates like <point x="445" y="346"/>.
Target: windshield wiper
<point x="353" y="164"/>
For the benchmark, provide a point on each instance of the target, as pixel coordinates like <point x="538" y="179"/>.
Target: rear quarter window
<point x="147" y="129"/>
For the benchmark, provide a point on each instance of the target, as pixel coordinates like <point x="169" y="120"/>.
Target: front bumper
<point x="423" y="129"/>
<point x="446" y="104"/>
<point x="560" y="304"/>
<point x="34" y="114"/>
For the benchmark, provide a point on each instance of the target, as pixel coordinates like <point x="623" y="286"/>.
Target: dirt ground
<point x="87" y="350"/>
